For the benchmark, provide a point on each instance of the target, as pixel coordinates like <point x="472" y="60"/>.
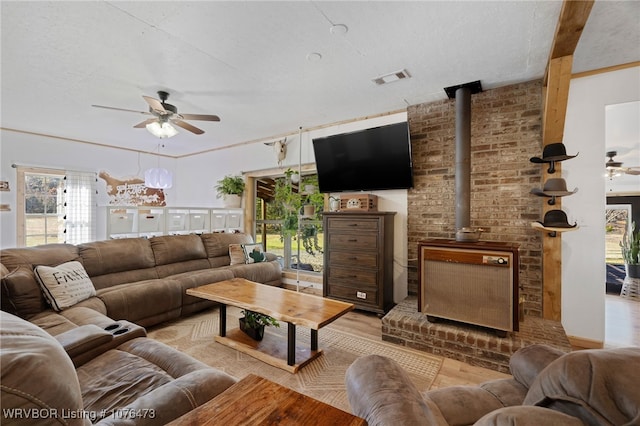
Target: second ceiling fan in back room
<point x="164" y="115"/>
<point x="615" y="168"/>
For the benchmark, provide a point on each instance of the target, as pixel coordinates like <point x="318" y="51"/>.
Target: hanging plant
<point x="289" y="204"/>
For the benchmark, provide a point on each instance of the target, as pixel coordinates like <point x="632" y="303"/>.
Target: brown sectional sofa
<point x="139" y="282"/>
<point x="137" y="279"/>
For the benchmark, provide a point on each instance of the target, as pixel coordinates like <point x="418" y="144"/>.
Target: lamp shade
<point x="158" y="178"/>
<point x="164" y="130"/>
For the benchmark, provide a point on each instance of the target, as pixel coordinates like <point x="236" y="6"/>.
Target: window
<point x="55" y="206"/>
<point x="278" y="231"/>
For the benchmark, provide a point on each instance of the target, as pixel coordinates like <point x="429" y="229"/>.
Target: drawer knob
<point x="353" y="240"/>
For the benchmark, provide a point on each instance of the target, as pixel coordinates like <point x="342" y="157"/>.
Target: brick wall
<point x="505" y="133"/>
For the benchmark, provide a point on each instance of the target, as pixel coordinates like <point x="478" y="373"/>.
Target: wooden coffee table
<point x="255" y="401"/>
<point x="284" y="305"/>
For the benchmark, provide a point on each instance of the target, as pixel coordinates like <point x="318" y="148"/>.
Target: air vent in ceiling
<point x="390" y="78"/>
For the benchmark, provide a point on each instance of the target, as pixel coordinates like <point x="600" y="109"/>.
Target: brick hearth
<point x="405" y="326"/>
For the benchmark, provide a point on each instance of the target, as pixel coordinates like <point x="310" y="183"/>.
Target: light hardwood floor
<point x="622" y="322"/>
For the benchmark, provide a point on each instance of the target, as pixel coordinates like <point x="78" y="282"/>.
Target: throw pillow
<point x="236" y="254"/>
<point x="23" y="295"/>
<point x="65" y="285"/>
<point x="253" y="253"/>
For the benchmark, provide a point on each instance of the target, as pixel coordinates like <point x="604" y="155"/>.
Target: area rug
<point x="322" y="378"/>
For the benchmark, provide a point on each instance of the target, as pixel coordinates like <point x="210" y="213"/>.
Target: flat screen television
<point x="366" y="160"/>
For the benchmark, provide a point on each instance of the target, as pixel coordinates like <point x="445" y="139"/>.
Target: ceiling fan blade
<point x="122" y="109"/>
<point x="632" y="171"/>
<point x="144" y="123"/>
<point x="203" y="117"/>
<point x="155" y="104"/>
<point x="187" y="126"/>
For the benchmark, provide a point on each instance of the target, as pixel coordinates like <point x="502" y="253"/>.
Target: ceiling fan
<point x="163" y="114"/>
<point x="614" y="168"/>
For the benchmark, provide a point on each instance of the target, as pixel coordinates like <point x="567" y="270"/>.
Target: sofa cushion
<point x="166" y="383"/>
<point x="65" y="285"/>
<point x="527" y="416"/>
<point x="217" y="244"/>
<point x="21" y="294"/>
<point x="175" y="254"/>
<point x="36" y="374"/>
<point x="599" y="386"/>
<point x="177" y="248"/>
<point x="46" y="254"/>
<point x="55" y="323"/>
<point x="114" y="262"/>
<point x="269" y="273"/>
<point x="507" y="391"/>
<point x="463" y="405"/>
<point x="144" y="302"/>
<point x="187" y="280"/>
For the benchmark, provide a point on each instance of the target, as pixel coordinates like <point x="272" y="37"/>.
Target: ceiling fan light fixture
<point x="158" y="178"/>
<point x="162" y="131"/>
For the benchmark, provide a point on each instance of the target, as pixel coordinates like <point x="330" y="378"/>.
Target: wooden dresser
<point x="358" y="259"/>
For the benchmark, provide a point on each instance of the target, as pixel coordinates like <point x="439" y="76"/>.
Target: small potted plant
<point x="630" y="246"/>
<point x="253" y="323"/>
<point x="230" y="189"/>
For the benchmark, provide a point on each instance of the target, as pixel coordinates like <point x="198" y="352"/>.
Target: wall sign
<point x="131" y="192"/>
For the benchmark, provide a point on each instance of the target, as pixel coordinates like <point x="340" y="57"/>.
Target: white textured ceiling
<point x="247" y="61"/>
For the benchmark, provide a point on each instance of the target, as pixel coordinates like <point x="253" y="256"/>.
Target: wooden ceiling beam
<point x="572" y="20"/>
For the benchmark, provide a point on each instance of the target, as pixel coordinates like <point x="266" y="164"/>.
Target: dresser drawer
<point x="360" y="296"/>
<point x="353" y="259"/>
<point x="352" y="242"/>
<point x="352" y="277"/>
<point x="342" y="224"/>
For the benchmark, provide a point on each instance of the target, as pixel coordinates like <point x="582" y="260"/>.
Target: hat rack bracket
<point x="553" y="153"/>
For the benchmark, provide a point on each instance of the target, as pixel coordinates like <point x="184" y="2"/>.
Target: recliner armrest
<point x="270" y="256"/>
<point x="381" y="392"/>
<point x="83" y="338"/>
<point x="526" y="363"/>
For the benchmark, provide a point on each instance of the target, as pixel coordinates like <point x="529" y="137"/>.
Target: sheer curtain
<point x="80" y="205"/>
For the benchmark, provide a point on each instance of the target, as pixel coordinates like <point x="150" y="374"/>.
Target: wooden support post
<point x="573" y="17"/>
<point x="556" y="97"/>
<point x="249" y="205"/>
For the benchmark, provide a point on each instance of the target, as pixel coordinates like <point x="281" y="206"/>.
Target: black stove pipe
<point x="463" y="158"/>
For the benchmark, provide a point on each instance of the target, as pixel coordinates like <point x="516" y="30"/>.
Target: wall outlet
<point x="361" y="295"/>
